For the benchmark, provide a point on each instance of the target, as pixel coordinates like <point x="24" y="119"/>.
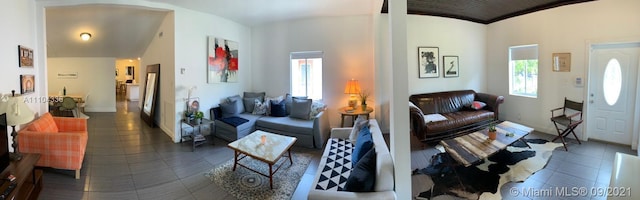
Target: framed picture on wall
<point x="428" y="62"/>
<point x="450" y="66"/>
<point x="25" y="56"/>
<point x="27" y="84"/>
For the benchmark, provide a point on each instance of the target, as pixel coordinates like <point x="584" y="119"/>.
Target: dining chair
<point x="69" y="105"/>
<point x="81" y="105"/>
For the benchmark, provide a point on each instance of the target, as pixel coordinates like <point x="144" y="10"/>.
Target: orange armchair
<point x="61" y="141"/>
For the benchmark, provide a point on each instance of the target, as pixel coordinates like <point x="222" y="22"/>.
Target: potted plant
<point x="363" y="99"/>
<point x="198" y="117"/>
<point x="492" y="133"/>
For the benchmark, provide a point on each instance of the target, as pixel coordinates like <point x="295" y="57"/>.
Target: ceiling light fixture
<point x="85" y="36"/>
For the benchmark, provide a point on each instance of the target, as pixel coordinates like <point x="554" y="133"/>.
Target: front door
<point x="612" y="90"/>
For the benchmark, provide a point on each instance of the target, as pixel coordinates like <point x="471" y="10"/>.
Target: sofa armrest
<point x="416" y="121"/>
<point x="493" y="102"/>
<point x="70" y="124"/>
<point x="342" y="133"/>
<point x="321" y="129"/>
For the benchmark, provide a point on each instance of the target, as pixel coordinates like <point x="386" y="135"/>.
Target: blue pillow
<point x="229" y="109"/>
<point x="278" y="109"/>
<point x="364" y="143"/>
<point x="363" y="175"/>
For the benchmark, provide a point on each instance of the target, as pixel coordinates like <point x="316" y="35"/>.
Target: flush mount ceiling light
<point x="85" y="36"/>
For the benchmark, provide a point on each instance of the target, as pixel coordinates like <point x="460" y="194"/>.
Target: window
<point x="523" y="70"/>
<point x="306" y="74"/>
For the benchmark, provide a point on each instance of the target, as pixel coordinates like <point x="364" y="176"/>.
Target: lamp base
<point x="15" y="156"/>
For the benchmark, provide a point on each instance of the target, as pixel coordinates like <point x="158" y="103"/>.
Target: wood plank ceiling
<point x="480" y="11"/>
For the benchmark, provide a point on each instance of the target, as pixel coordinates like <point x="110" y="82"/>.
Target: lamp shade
<point x="352" y="87"/>
<point x="17" y="111"/>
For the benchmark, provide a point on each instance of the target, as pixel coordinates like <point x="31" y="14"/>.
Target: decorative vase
<point x="363" y="107"/>
<point x="197" y="120"/>
<point x="492" y="135"/>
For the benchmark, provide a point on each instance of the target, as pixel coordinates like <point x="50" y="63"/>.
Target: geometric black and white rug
<point x="483" y="180"/>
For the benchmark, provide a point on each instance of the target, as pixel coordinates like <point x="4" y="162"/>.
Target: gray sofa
<point x="311" y="133"/>
<point x="336" y="163"/>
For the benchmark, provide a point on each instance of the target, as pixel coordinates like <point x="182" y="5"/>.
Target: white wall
<point x="562" y="29"/>
<point x="161" y="51"/>
<point x="347" y="43"/>
<point x="17" y="19"/>
<point x="192" y="31"/>
<point x="464" y="39"/>
<point x="95" y="77"/>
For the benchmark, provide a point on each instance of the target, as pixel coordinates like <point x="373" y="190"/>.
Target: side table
<point x="196" y="138"/>
<point x="353" y="113"/>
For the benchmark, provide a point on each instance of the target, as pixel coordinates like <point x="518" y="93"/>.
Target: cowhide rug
<point x="483" y="180"/>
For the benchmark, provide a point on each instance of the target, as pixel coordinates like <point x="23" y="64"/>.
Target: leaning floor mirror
<point x="150" y="93"/>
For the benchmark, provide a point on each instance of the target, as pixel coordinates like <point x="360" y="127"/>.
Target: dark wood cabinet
<point x="28" y="179"/>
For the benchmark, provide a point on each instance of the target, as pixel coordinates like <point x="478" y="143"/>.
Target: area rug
<point x="246" y="184"/>
<point x="483" y="180"/>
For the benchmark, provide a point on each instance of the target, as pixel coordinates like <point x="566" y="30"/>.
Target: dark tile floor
<point x="125" y="159"/>
<point x="584" y="165"/>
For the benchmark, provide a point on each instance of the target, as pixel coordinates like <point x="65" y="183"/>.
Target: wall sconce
<point x="85" y="36"/>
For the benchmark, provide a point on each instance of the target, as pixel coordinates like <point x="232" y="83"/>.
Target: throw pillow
<point x="278" y="109"/>
<point x="363" y="144"/>
<point x="300" y="108"/>
<point x="476" y="105"/>
<point x="229" y="109"/>
<point x="316" y="108"/>
<point x="249" y="103"/>
<point x="360" y="122"/>
<point x="259" y="108"/>
<point x="267" y="102"/>
<point x="239" y="103"/>
<point x="288" y="100"/>
<point x="363" y="174"/>
<point x="44" y="124"/>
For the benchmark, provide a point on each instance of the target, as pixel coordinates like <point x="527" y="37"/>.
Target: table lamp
<point x="17" y="113"/>
<point x="352" y="88"/>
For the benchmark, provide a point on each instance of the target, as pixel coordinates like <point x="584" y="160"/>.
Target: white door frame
<point x="589" y="48"/>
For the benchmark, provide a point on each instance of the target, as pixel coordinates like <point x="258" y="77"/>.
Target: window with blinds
<point x="523" y="70"/>
<point x="306" y="74"/>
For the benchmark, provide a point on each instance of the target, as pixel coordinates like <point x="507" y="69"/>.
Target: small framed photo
<point x="428" y="62"/>
<point x="561" y="62"/>
<point x="27" y="84"/>
<point x="193" y="105"/>
<point x="450" y="66"/>
<point x="25" y="56"/>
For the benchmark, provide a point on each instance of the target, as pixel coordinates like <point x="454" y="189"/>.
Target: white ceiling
<point x="117" y="31"/>
<point x="125" y="31"/>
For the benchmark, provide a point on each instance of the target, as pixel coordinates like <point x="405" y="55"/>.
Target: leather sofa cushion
<point x="459" y="119"/>
<point x="443" y="102"/>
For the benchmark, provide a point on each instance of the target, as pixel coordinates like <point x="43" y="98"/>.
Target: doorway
<point x="611" y="101"/>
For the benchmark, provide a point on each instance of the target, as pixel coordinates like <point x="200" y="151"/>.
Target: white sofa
<point x="338" y="150"/>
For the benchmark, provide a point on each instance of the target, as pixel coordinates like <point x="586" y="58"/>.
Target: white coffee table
<point x="269" y="151"/>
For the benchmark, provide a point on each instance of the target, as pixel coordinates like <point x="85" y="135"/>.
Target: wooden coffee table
<point x="269" y="151"/>
<point x="476" y="146"/>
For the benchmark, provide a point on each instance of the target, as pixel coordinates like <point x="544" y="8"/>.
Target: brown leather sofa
<point x="454" y="106"/>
